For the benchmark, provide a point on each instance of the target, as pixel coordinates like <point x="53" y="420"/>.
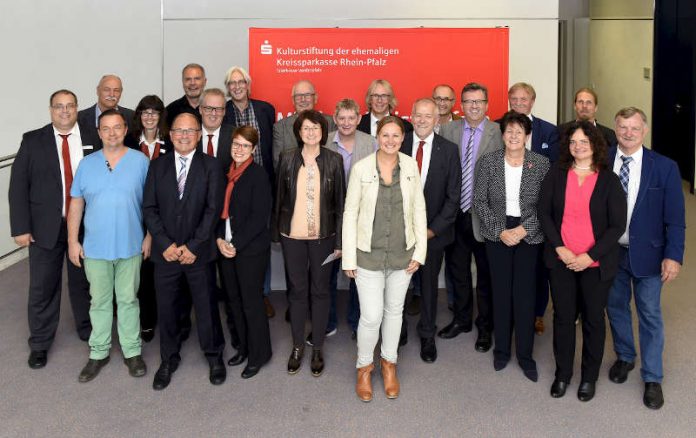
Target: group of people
<point x="170" y="209"/>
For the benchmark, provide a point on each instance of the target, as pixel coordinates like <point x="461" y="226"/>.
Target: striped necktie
<point x="181" y="179"/>
<point x="624" y="172"/>
<point x="467" y="173"/>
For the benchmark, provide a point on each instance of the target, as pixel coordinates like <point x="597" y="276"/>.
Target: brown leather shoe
<point x="363" y="385"/>
<point x="539" y="325"/>
<point x="270" y="311"/>
<point x="391" y="382"/>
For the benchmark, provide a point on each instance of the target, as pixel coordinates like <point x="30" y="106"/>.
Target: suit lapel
<point x="485" y="140"/>
<point x="194" y="171"/>
<point x="48" y="143"/>
<point x="645" y="174"/>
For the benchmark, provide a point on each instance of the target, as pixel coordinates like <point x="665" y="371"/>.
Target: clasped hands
<point x="574" y="262"/>
<point x="179" y="253"/>
<point x="513" y="236"/>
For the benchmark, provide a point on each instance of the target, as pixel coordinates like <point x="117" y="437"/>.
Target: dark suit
<point x="442" y="189"/>
<point x="656" y="232"/>
<point x="608" y="133"/>
<point x="88" y="119"/>
<point x="588" y="288"/>
<point x="36" y="200"/>
<point x="224" y="150"/>
<point x="265" y="117"/>
<point x="189" y="221"/>
<point x="249" y="214"/>
<point x="364" y="124"/>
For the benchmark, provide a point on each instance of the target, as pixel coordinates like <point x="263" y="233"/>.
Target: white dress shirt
<point x="373" y="124"/>
<point x="76" y="153"/>
<point x="177" y="162"/>
<point x="427" y="152"/>
<point x="528" y="144"/>
<point x="513" y="181"/>
<point x="634" y="170"/>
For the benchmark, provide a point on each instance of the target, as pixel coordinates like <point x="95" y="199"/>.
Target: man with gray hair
<point x="109" y="92"/>
<point x="304" y="97"/>
<point x="193" y="80"/>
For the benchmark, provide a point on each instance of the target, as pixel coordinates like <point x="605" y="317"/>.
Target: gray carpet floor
<point x="459" y="395"/>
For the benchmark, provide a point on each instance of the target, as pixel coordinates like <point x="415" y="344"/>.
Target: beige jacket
<point x="359" y="211"/>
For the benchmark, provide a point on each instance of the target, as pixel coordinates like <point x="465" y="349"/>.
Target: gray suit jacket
<point x="284" y="138"/>
<point x="365" y="144"/>
<point x="491" y="140"/>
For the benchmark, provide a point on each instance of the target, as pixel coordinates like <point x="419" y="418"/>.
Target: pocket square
<point x="544" y="146"/>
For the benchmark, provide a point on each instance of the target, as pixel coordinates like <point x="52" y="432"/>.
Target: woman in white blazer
<point x="384" y="243"/>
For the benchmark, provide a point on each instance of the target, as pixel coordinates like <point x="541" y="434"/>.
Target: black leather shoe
<point x="250" y="371"/>
<point x="428" y="350"/>
<point x="295" y="360"/>
<point x="558" y="388"/>
<point x="499" y="364"/>
<point x="317" y="363"/>
<point x="532" y="374"/>
<point x="37" y="359"/>
<point x="147" y="334"/>
<point x="136" y="366"/>
<point x="164" y="374"/>
<point x="453" y="329"/>
<point x="586" y="391"/>
<point x="218" y="371"/>
<point x="92" y="368"/>
<point x="618" y="373"/>
<point x="414" y="307"/>
<point x="403" y="338"/>
<point x="237" y="359"/>
<point x="483" y="341"/>
<point x="652" y="397"/>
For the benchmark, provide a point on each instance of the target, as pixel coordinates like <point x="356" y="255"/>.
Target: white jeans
<point x="382" y="295"/>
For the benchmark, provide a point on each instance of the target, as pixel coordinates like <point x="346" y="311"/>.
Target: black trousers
<point x="146" y="295"/>
<point x="243" y="277"/>
<point x="513" y="277"/>
<point x="168" y="281"/>
<point x="429" y="275"/>
<point x="301" y="256"/>
<point x="567" y="289"/>
<point x="459" y="263"/>
<point x="45" y="280"/>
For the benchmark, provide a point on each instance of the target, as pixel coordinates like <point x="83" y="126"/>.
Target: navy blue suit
<point x="656" y="232"/>
<point x="545" y="139"/>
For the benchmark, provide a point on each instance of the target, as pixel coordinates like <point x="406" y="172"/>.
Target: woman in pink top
<point x="583" y="213"/>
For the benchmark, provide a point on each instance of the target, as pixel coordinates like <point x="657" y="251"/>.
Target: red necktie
<point x="419" y="155"/>
<point x="67" y="170"/>
<point x="144" y="149"/>
<point x="210" y="145"/>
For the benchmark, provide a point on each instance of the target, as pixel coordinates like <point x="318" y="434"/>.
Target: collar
<point x="75" y="131"/>
<point x="427" y="140"/>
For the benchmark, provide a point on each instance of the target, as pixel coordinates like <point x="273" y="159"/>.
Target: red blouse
<point x="576" y="228"/>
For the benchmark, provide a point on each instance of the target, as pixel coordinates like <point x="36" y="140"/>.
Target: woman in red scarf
<point x="244" y="241"/>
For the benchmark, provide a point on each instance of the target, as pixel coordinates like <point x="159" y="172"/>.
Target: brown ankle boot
<point x="391" y="382"/>
<point x="363" y="385"/>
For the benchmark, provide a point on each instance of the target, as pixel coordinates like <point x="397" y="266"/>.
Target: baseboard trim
<point x="13" y="257"/>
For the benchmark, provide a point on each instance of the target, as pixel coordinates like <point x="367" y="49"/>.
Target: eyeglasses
<point x="236" y="145"/>
<point x="303" y="96"/>
<point x="474" y="101"/>
<point x="380" y="96"/>
<point x="109" y="129"/>
<point x="178" y="132"/>
<point x="439" y="99"/>
<point x="311" y="128"/>
<point x="67" y="107"/>
<point x="150" y="113"/>
<point x="213" y="109"/>
<point x="239" y="83"/>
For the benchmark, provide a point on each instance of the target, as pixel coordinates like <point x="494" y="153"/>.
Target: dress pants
<point x="429" y="277"/>
<point x="459" y="259"/>
<point x="243" y="277"/>
<point x="651" y="332"/>
<point x="45" y="280"/>
<point x="542" y="286"/>
<point x="169" y="277"/>
<point x="382" y="296"/>
<point x="146" y="295"/>
<point x="567" y="287"/>
<point x="300" y="257"/>
<point x="513" y="280"/>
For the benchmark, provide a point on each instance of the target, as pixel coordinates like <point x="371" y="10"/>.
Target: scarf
<point x="233" y="176"/>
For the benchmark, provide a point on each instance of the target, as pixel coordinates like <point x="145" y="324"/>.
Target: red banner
<point x="342" y="62"/>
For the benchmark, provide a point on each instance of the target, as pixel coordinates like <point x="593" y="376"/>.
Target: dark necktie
<point x="419" y="155"/>
<point x="67" y="170"/>
<point x="210" y="145"/>
<point x="624" y="172"/>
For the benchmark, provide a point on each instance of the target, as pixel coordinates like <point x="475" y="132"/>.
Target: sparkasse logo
<point x="266" y="48"/>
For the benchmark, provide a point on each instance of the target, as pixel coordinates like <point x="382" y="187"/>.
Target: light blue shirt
<point x="113" y="217"/>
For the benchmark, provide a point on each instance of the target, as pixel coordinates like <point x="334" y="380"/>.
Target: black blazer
<point x="224" y="156"/>
<point x="265" y="117"/>
<point x="36" y="191"/>
<point x="364" y="124"/>
<point x="190" y="220"/>
<point x="87" y="118"/>
<point x="442" y="189"/>
<point x="607" y="213"/>
<point x="250" y="212"/>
